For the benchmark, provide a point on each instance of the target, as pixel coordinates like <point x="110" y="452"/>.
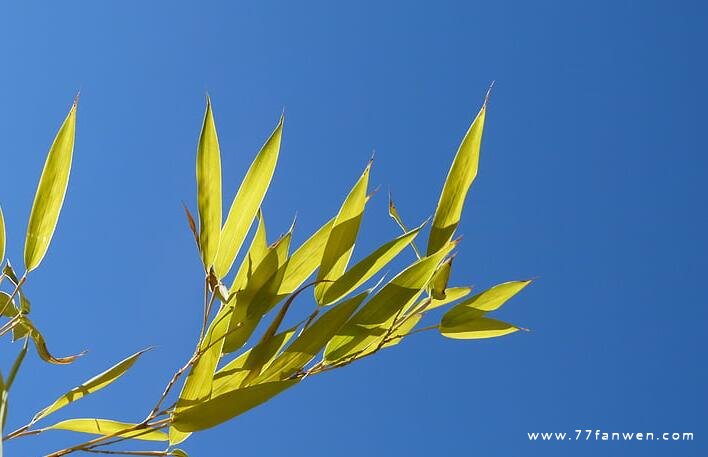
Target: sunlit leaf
<point x="256" y="252"/>
<point x="16" y="366"/>
<point x="198" y="385"/>
<point x="178" y="453"/>
<point x="247" y="201"/>
<point x="41" y="345"/>
<point x="94" y="384"/>
<point x="109" y="427"/>
<point x="312" y="340"/>
<point x="372" y="322"/>
<point x="476" y="328"/>
<point x="50" y="193"/>
<point x="259" y="295"/>
<point x="342" y="236"/>
<point x="451" y="294"/>
<point x="366" y="268"/>
<point x="209" y="188"/>
<point x="439" y="283"/>
<point x="459" y="179"/>
<point x="233" y="375"/>
<point x="305" y="260"/>
<point x="489" y="300"/>
<point x="227" y="406"/>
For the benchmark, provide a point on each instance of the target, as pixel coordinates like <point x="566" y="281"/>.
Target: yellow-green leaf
<point x="367" y="267"/>
<point x="198" y="385"/>
<point x="305" y="260"/>
<point x="459" y="179"/>
<point x="107" y="427"/>
<point x="476" y="328"/>
<point x="227" y="406"/>
<point x="259" y="295"/>
<point x="342" y="236"/>
<point x="209" y="188"/>
<point x="373" y="321"/>
<point x="94" y="384"/>
<point x="440" y="278"/>
<point x="41" y="345"/>
<point x="255" y="359"/>
<point x="256" y="252"/>
<point x="491" y="299"/>
<point x="311" y="341"/>
<point x="50" y="193"/>
<point x="247" y="201"/>
<point x="451" y="294"/>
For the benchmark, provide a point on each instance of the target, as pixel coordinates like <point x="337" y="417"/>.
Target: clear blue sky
<point x="592" y="178"/>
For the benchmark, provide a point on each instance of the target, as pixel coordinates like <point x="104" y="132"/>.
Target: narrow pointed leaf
<point x="109" y="427"/>
<point x="256" y="252"/>
<point x="312" y="340"/>
<point x="451" y="294"/>
<point x="41" y="345"/>
<point x="481" y="327"/>
<point x="366" y="268"/>
<point x="209" y="188"/>
<point x="342" y="236"/>
<point x="198" y="385"/>
<point x="227" y="406"/>
<point x="94" y="384"/>
<point x="247" y="201"/>
<point x="440" y="279"/>
<point x="233" y="375"/>
<point x="50" y="193"/>
<point x="459" y="179"/>
<point x="489" y="300"/>
<point x="305" y="260"/>
<point x="372" y="322"/>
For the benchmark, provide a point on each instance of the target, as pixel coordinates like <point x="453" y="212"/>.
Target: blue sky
<point x="592" y="178"/>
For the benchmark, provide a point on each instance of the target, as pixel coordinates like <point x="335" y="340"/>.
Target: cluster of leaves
<point x="243" y="356"/>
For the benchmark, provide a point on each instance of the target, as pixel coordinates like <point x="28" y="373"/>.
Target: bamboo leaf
<point x="489" y="300"/>
<point x="94" y="384"/>
<point x="209" y="188"/>
<point x="16" y="366"/>
<point x="440" y="279"/>
<point x="247" y="201"/>
<point x="311" y="341"/>
<point x="372" y="322"/>
<point x="50" y="193"/>
<point x="256" y="252"/>
<point x="41" y="345"/>
<point x="366" y="268"/>
<point x="451" y="294"/>
<point x="342" y="236"/>
<point x="227" y="406"/>
<point x="459" y="179"/>
<point x="255" y="359"/>
<point x="259" y="295"/>
<point x="305" y="260"/>
<point x="109" y="427"/>
<point x="476" y="328"/>
<point x="198" y="385"/>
